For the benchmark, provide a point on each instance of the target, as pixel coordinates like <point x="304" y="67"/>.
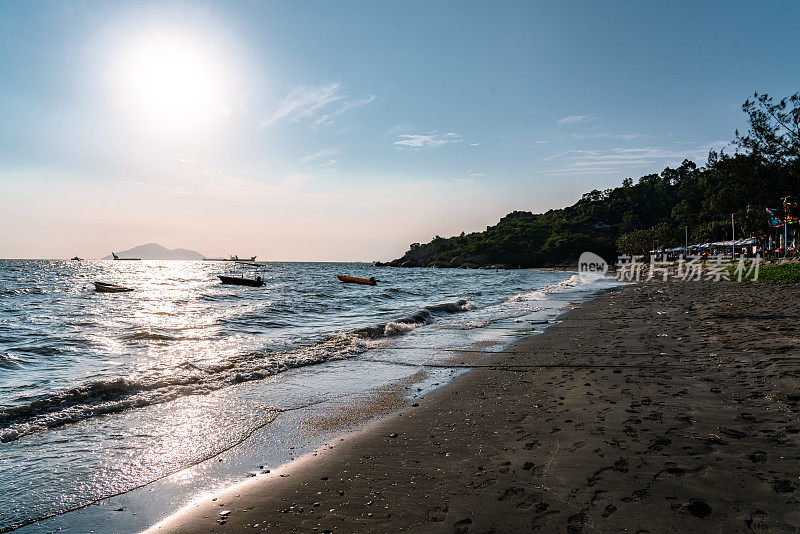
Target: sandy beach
<point x="659" y="407"/>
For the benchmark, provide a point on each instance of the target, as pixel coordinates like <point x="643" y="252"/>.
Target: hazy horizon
<point x="322" y="131"/>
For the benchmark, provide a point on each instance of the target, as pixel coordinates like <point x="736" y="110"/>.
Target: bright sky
<point x="347" y="130"/>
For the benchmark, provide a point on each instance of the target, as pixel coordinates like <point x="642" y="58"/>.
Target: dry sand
<point x="662" y="407"/>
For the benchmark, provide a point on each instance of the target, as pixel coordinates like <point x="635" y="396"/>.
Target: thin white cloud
<point x="326" y="153"/>
<point x="620" y="160"/>
<point x="315" y="102"/>
<point x="305" y="101"/>
<point x="431" y="140"/>
<point x="627" y="136"/>
<point x="575" y="119"/>
<point x="354" y="104"/>
<point x="474" y="144"/>
<point x="399" y="128"/>
<point x="552" y="157"/>
<point x="606" y="135"/>
<point x="328" y="118"/>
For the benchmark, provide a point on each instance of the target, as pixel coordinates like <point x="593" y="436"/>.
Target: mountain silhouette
<point x="154" y="251"/>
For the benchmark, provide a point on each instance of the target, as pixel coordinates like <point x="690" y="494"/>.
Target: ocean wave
<point x="544" y="292"/>
<point x="393" y="293"/>
<point x="148" y="335"/>
<point x="395" y="328"/>
<point x="45" y="351"/>
<point x="108" y="396"/>
<point x="22" y="291"/>
<point x="519" y="305"/>
<point x="11" y="361"/>
<point x="416" y="319"/>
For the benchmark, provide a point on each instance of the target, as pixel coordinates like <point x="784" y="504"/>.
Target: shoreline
<point x="605" y="421"/>
<point x="316" y="403"/>
<point x="477" y="267"/>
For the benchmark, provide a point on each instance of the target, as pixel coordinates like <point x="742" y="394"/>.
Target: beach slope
<point x="660" y="407"/>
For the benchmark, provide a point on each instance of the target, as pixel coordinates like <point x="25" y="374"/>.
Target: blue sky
<point x="347" y="130"/>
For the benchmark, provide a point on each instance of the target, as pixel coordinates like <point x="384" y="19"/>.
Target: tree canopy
<point x="652" y="211"/>
<point x="774" y="132"/>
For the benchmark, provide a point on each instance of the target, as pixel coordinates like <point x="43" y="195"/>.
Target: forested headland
<point x="652" y="211"/>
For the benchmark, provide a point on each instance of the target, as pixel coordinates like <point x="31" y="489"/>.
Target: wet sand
<point x="661" y="407"/>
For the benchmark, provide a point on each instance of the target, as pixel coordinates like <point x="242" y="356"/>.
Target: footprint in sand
<point x="462" y="527"/>
<point x="698" y="508"/>
<point x="608" y="510"/>
<point x="511" y="493"/>
<point x="621" y="465"/>
<point x="659" y="444"/>
<point x="575" y="446"/>
<point x="576" y="523"/>
<point x="783" y="486"/>
<point x="758" y="522"/>
<point x="437" y="514"/>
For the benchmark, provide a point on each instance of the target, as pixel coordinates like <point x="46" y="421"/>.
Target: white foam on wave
<point x="545" y="292"/>
<point x="516" y="307"/>
<point x="160" y="385"/>
<point x="469" y="305"/>
<point x="393" y="328"/>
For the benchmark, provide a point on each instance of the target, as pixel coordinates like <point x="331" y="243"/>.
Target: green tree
<point x="774" y="132"/>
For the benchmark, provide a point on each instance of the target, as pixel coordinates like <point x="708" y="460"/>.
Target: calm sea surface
<point x="102" y="393"/>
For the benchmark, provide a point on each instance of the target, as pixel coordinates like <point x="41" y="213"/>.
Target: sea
<point x="116" y="409"/>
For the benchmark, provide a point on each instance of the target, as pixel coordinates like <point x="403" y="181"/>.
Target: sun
<point x="172" y="81"/>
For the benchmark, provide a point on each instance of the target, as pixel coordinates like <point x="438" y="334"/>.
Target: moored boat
<point x="233" y="258"/>
<point x="241" y="280"/>
<point x="353" y="280"/>
<point x="114" y="255"/>
<point x="104" y="287"/>
<point x="243" y="260"/>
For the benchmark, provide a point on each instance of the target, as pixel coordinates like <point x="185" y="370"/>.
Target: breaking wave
<point x="163" y="383"/>
<point x="544" y="293"/>
<point x="102" y="397"/>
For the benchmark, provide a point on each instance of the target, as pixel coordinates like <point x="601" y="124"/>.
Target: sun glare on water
<point x="173" y="82"/>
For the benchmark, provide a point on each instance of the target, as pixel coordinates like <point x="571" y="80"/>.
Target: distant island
<point x="154" y="251"/>
<point x="758" y="183"/>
